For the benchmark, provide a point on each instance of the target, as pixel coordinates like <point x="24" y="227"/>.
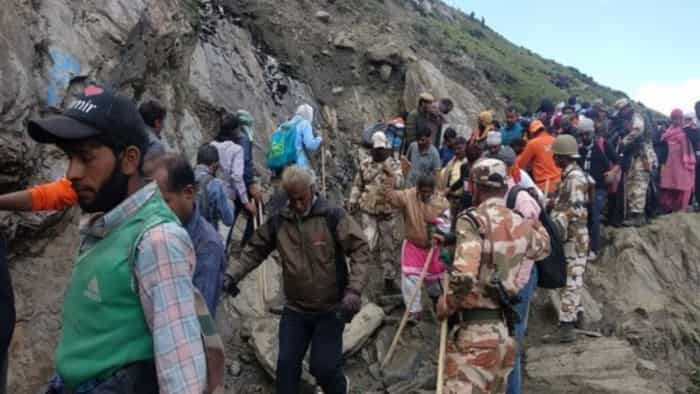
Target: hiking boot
<point x="566" y="332"/>
<point x="390" y="287"/>
<point x="634" y="220"/>
<point x="580" y="323"/>
<point x="415" y="317"/>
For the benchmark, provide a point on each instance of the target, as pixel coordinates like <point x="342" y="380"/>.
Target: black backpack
<point x="333" y="216"/>
<point x="551" y="271"/>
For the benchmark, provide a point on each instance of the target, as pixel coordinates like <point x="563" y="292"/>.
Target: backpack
<point x="203" y="197"/>
<point x="333" y="216"/>
<point x="552" y="269"/>
<point x="283" y="150"/>
<point x="393" y="129"/>
<point x="369" y="131"/>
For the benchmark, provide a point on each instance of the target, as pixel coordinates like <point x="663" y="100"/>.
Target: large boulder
<point x="423" y="76"/>
<point x="604" y="366"/>
<point x="265" y="335"/>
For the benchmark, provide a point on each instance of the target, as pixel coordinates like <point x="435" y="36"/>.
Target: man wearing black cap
<point x="129" y="319"/>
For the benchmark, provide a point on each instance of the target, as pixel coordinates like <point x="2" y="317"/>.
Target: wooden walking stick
<point x="443" y="343"/>
<point x="262" y="272"/>
<point x="404" y="320"/>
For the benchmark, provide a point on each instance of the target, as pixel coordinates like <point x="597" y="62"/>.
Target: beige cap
<point x="425" y="96"/>
<point x="621" y="103"/>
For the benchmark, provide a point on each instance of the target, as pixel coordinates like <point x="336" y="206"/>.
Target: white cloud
<point x="664" y="97"/>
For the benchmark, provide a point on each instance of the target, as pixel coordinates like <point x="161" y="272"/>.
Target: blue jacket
<point x="211" y="259"/>
<point x="509" y="134"/>
<point x="305" y="141"/>
<point x="219" y="207"/>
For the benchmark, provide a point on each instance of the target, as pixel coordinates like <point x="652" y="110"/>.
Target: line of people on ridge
<point x="138" y="311"/>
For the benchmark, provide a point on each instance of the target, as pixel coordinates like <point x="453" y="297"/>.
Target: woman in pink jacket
<point x="678" y="173"/>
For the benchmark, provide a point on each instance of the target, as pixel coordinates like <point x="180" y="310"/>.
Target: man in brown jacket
<point x="312" y="238"/>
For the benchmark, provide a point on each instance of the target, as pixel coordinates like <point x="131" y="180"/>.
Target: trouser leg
<point x="295" y="334"/>
<point x="326" y="361"/>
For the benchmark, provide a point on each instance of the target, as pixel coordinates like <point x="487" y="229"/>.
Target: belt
<point x="476" y="315"/>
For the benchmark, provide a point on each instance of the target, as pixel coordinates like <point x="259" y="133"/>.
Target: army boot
<point x="580" y="323"/>
<point x="566" y="332"/>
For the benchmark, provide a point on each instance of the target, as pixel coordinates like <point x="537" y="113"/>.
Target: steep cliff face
<point x="354" y="62"/>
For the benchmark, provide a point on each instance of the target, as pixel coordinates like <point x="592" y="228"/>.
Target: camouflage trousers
<point x="636" y="185"/>
<point x="479" y="357"/>
<point x="576" y="252"/>
<point x="380" y="236"/>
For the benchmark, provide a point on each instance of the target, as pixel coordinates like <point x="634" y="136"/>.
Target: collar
<point x="100" y="224"/>
<point x="192" y="224"/>
<point x="311" y="207"/>
<point x="495" y="201"/>
<point x="570" y="168"/>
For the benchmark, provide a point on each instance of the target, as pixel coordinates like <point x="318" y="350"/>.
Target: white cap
<point x="493" y="138"/>
<point x="379" y="140"/>
<point x="586" y="124"/>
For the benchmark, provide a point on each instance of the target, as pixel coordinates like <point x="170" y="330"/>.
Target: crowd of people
<point x="484" y="217"/>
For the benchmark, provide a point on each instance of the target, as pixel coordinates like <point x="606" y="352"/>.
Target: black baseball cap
<point x="97" y="112"/>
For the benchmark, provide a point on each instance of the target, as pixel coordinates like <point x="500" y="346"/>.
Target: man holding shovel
<point x="491" y="244"/>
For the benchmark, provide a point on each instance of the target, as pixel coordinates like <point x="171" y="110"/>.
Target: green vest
<point x="104" y="328"/>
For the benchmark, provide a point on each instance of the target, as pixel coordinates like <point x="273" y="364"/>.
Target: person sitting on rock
<point x="378" y="216"/>
<point x="421" y="207"/>
<point x="312" y="237"/>
<point x="134" y="266"/>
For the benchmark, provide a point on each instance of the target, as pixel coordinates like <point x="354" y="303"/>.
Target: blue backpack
<point x="283" y="150"/>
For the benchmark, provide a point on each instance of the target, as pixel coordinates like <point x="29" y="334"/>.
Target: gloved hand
<point x="350" y="305"/>
<point x="230" y="286"/>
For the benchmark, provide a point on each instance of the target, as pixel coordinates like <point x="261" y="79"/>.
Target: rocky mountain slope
<point x="355" y="62"/>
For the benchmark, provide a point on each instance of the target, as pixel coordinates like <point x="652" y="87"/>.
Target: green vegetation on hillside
<point x="513" y="70"/>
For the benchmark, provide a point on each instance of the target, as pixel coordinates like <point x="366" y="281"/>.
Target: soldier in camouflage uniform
<point x="570" y="215"/>
<point x="642" y="161"/>
<point x="367" y="196"/>
<point x="491" y="242"/>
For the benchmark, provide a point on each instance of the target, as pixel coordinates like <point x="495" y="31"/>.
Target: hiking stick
<point x="408" y="308"/>
<point x="443" y="343"/>
<point x="262" y="273"/>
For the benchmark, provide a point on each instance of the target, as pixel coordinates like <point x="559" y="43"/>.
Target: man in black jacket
<point x="597" y="157"/>
<point x="7" y="314"/>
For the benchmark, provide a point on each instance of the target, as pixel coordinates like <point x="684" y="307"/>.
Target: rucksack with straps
<point x="333" y="216"/>
<point x="551" y="271"/>
<point x="283" y="150"/>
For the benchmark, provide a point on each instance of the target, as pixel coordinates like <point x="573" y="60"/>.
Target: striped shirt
<point x="163" y="268"/>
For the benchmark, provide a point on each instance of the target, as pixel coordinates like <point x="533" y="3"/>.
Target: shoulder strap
<point x="333" y="217"/>
<point x="512" y="196"/>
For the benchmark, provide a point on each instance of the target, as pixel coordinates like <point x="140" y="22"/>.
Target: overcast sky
<point x="648" y="49"/>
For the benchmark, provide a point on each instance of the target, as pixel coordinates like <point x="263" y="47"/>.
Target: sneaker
<point x="347" y="384"/>
<point x="566" y="332"/>
<point x="592" y="256"/>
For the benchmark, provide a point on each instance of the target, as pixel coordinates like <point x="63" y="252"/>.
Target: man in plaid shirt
<point x="129" y="319"/>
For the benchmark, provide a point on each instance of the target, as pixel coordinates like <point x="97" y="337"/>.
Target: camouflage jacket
<point x="491" y="239"/>
<point x="367" y="188"/>
<point x="644" y="158"/>
<point x="570" y="209"/>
